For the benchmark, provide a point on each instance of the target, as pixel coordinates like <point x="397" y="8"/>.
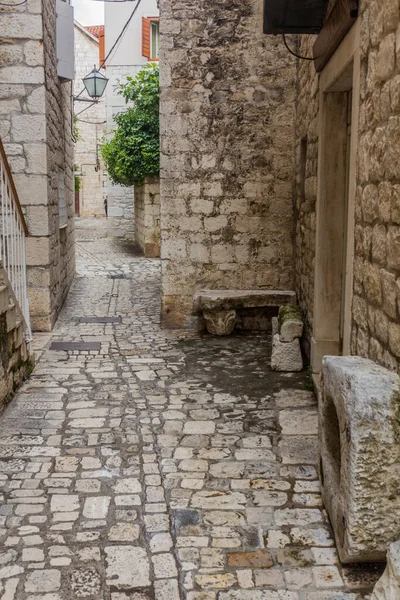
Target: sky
<point x="89" y="12"/>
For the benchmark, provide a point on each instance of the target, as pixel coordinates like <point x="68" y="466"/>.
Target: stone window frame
<point x="326" y="333"/>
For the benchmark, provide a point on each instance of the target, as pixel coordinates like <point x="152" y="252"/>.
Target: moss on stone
<point x="289" y="313"/>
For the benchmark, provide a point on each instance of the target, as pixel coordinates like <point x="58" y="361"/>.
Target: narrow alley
<point x="142" y="463"/>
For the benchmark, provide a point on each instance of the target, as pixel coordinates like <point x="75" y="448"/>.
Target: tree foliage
<point x="133" y="152"/>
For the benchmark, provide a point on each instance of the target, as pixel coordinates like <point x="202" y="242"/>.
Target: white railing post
<point x="12" y="240"/>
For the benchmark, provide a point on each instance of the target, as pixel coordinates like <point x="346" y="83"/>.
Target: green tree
<point x="133" y="152"/>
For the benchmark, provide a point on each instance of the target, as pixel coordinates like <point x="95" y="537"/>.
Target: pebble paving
<point x="161" y="464"/>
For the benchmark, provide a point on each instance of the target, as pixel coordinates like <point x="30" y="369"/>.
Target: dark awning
<point x="294" y="16"/>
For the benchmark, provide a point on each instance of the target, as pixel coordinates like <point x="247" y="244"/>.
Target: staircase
<point x="15" y="329"/>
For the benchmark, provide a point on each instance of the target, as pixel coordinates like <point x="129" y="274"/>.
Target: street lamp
<point x="95" y="83"/>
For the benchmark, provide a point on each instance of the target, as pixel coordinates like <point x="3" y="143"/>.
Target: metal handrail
<point x="13" y="230"/>
<point x="13" y="188"/>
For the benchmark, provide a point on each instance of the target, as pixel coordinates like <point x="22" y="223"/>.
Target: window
<point x="150" y="37"/>
<point x="154" y="38"/>
<point x="62" y="205"/>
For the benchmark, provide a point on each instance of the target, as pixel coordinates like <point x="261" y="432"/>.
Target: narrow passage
<point x="158" y="464"/>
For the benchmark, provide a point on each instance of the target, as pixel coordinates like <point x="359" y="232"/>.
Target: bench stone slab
<point x="236" y="299"/>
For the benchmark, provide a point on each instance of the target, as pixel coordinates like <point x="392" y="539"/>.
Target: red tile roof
<point x="96" y="30"/>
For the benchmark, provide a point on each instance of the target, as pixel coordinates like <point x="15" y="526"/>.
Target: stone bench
<point x="219" y="306"/>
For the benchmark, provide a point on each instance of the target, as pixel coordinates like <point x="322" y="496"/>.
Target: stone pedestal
<point x="286" y="356"/>
<point x="286" y="331"/>
<point x="220" y="322"/>
<point x="388" y="587"/>
<point x="360" y="455"/>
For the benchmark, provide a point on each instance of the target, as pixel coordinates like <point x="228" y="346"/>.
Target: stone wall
<point x="376" y="326"/>
<point x="375" y="313"/>
<point x="35" y="125"/>
<point x="227" y="119"/>
<point x="307" y="104"/>
<point x="60" y="158"/>
<point x="91" y="126"/>
<point x="121" y="210"/>
<point x="147" y="217"/>
<point x="14" y="353"/>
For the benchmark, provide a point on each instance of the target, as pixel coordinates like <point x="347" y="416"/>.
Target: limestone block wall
<point x="227" y="119"/>
<point x="91" y="126"/>
<point x="14" y="353"/>
<point x="307" y="105"/>
<point x="35" y="125"/>
<point x="147" y="217"/>
<point x="376" y="289"/>
<point x="121" y="210"/>
<point x="376" y="317"/>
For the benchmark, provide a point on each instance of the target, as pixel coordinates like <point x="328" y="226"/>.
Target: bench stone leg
<point x="220" y="322"/>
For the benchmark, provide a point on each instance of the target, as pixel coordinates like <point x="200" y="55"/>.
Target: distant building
<point x="136" y="47"/>
<point x="90" y="125"/>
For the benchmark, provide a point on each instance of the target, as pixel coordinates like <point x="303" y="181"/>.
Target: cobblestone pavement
<point x="161" y="464"/>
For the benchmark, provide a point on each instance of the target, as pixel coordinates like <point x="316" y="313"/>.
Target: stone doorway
<point x="339" y="99"/>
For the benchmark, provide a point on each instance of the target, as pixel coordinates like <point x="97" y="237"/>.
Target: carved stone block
<point x="360" y="455"/>
<point x="286" y="356"/>
<point x="220" y="322"/>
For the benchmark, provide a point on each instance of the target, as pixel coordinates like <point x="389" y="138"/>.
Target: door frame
<point x="340" y="74"/>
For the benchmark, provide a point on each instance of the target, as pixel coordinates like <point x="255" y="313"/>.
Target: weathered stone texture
<point x="14" y="351"/>
<point x="360" y="455"/>
<point x="377" y="242"/>
<point x="388" y="587"/>
<point x="227" y="118"/>
<point x="286" y="356"/>
<point x="147" y="217"/>
<point x="35" y="126"/>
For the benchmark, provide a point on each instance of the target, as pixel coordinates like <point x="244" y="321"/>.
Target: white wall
<point x="126" y="59"/>
<point x="129" y="50"/>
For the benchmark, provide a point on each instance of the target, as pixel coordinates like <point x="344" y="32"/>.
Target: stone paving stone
<point x="160" y="464"/>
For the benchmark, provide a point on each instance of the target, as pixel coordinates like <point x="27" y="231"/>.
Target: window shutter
<point x="146" y="38"/>
<point x="101" y="49"/>
<point x="65" y="41"/>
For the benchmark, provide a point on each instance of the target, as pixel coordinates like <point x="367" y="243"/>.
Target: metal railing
<point x="13" y="230"/>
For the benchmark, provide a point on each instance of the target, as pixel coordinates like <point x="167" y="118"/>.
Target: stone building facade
<point x="35" y="126"/>
<point x="227" y="120"/>
<point x="275" y="176"/>
<point x="358" y="89"/>
<point x="91" y="128"/>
